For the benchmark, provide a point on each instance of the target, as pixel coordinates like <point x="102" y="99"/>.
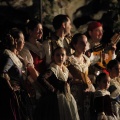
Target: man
<point x="95" y="31"/>
<point x="62" y="26"/>
<point x="101" y="56"/>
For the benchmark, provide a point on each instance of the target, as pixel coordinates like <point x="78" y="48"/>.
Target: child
<point x="102" y="101"/>
<point x="57" y="103"/>
<point x="114" y="70"/>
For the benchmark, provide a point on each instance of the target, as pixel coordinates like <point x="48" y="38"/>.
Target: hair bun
<point x="9" y="40"/>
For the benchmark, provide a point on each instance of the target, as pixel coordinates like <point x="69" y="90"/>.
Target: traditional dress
<point x="12" y="67"/>
<point x="60" y="104"/>
<point x="35" y="55"/>
<point x="9" y="107"/>
<point x="80" y="83"/>
<point x="115" y="95"/>
<point x="102" y="105"/>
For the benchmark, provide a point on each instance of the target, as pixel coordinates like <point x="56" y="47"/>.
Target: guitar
<point x="109" y="48"/>
<point x="103" y="48"/>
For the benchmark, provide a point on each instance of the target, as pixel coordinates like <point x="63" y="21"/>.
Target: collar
<point x="14" y="58"/>
<point x="80" y="66"/>
<point x="60" y="74"/>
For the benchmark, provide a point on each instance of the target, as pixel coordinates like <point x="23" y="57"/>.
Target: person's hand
<point x="105" y="56"/>
<point x="15" y="86"/>
<point x="88" y="53"/>
<point x="113" y="47"/>
<point x="87" y="90"/>
<point x="67" y="87"/>
<point x="102" y="116"/>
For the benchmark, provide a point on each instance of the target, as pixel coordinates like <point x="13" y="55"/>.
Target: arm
<point x="114" y="93"/>
<point x="44" y="80"/>
<point x="70" y="78"/>
<point x="26" y="55"/>
<point x="6" y="64"/>
<point x="33" y="72"/>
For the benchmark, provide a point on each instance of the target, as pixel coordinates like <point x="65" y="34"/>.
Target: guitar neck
<point x="96" y="48"/>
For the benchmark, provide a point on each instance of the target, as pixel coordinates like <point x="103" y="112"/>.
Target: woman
<point x="13" y="70"/>
<point x="33" y="50"/>
<point x="81" y="86"/>
<point x="57" y="103"/>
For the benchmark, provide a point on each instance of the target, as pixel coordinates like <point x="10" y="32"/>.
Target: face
<point x="67" y="27"/>
<point x="59" y="56"/>
<point x="96" y="34"/>
<point x="81" y="44"/>
<point x="21" y="42"/>
<point x="116" y="70"/>
<point x="37" y="33"/>
<point x="104" y="83"/>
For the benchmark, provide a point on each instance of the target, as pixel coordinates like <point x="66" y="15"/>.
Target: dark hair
<point x="112" y="63"/>
<point x="12" y="38"/>
<point x="100" y="77"/>
<point x="58" y="20"/>
<point x="32" y="24"/>
<point x="75" y="39"/>
<point x="58" y="48"/>
<point x="15" y="33"/>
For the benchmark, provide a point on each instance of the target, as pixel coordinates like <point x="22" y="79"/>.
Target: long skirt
<point x="9" y="107"/>
<point x="84" y="101"/>
<point x="56" y="106"/>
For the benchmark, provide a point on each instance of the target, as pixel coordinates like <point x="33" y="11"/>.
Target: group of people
<point x="64" y="77"/>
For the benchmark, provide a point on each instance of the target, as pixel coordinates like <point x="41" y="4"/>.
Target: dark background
<point x="17" y="17"/>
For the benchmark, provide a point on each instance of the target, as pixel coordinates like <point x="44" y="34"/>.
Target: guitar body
<point x="102" y="63"/>
<point x="97" y="53"/>
<point x="99" y="49"/>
